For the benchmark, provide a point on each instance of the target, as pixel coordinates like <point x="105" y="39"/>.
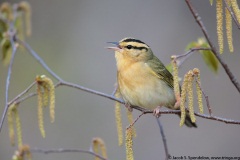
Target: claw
<point x="156" y="111"/>
<point x="128" y="106"/>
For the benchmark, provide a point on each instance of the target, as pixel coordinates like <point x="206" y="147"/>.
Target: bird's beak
<point x="115" y="48"/>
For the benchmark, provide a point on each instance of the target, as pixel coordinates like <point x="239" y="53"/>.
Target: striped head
<point x="131" y="49"/>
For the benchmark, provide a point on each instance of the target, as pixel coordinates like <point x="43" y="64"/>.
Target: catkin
<point x="119" y="124"/>
<point x="175" y="77"/>
<point x="40" y="111"/>
<point x="229" y="29"/>
<point x="99" y="143"/>
<point x="26" y="8"/>
<point x="103" y="148"/>
<point x="51" y="89"/>
<point x="45" y="95"/>
<point x="236" y="11"/>
<point x="219" y="13"/>
<point x="196" y="72"/>
<point x="11" y="124"/>
<point x="183" y="100"/>
<point x="129" y="144"/>
<point x="190" y="96"/>
<point x="95" y="147"/>
<point x="118" y="120"/>
<point x="6" y="8"/>
<point x="18" y="127"/>
<point x="130" y="120"/>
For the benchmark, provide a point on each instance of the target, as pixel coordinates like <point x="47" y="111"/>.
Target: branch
<point x="229" y="121"/>
<point x="62" y="150"/>
<point x="79" y="87"/>
<point x="136" y="120"/>
<point x="13" y="39"/>
<point x="76" y="86"/>
<point x="232" y="14"/>
<point x="22" y="93"/>
<point x="115" y="90"/>
<point x="188" y="54"/>
<point x="214" y="50"/>
<point x="163" y="138"/>
<point x="11" y="33"/>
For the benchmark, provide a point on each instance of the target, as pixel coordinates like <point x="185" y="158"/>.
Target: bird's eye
<point x="129" y="47"/>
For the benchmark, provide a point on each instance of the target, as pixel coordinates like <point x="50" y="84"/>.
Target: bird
<point x="142" y="78"/>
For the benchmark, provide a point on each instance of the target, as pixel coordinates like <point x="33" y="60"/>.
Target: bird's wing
<point x="158" y="69"/>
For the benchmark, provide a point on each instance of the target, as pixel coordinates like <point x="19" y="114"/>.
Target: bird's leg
<point x="128" y="106"/>
<point x="156" y="111"/>
<point x="178" y="101"/>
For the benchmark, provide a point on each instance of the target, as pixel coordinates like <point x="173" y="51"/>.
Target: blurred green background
<point x="71" y="37"/>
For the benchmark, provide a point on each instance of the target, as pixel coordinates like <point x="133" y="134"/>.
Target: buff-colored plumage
<point x="142" y="78"/>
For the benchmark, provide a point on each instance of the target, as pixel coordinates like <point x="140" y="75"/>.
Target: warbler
<point x="142" y="78"/>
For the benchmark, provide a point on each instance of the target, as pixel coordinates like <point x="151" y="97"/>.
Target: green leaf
<point x="211" y="2"/>
<point x="19" y="27"/>
<point x="169" y="67"/>
<point x="6" y="51"/>
<point x="210" y="60"/>
<point x="3" y="28"/>
<point x="191" y="45"/>
<point x="207" y="55"/>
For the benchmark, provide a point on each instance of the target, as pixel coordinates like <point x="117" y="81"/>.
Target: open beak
<point x="115" y="48"/>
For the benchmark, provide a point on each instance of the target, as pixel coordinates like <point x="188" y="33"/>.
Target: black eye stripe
<point x="135" y="47"/>
<point x="129" y="46"/>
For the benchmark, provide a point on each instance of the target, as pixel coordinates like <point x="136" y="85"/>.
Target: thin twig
<point x="26" y="97"/>
<point x="187" y="54"/>
<point x="90" y="91"/>
<point x="190" y="51"/>
<point x="232" y="14"/>
<point x="214" y="50"/>
<point x="31" y="95"/>
<point x="227" y="121"/>
<point x="206" y="98"/>
<point x="38" y="58"/>
<point x="115" y="89"/>
<point x="163" y="138"/>
<point x="11" y="34"/>
<point x="135" y="120"/>
<point x="63" y="150"/>
<point x="22" y="93"/>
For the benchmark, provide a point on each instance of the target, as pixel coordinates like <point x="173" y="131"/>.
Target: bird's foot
<point x="156" y="111"/>
<point x="128" y="106"/>
<point x="178" y="101"/>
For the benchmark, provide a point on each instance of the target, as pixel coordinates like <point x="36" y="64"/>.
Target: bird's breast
<point x="139" y="87"/>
